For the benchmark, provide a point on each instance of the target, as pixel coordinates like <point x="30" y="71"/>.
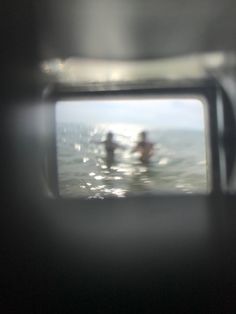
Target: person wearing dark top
<point x="110" y="147"/>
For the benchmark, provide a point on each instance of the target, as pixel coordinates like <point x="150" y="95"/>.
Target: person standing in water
<point x="144" y="147"/>
<point x="110" y="146"/>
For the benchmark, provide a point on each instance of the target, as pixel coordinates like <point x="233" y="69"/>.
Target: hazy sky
<point x="152" y="113"/>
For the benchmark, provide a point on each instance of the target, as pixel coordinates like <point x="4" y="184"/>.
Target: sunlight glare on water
<point x="175" y="127"/>
<point x="83" y="170"/>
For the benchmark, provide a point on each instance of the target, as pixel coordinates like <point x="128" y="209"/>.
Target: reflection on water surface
<point x="178" y="163"/>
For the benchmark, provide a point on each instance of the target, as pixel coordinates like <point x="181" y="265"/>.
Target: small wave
<point x="163" y="161"/>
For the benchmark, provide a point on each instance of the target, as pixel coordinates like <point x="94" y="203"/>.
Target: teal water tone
<point x="178" y="164"/>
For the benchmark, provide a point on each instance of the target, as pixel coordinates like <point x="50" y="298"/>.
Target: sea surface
<point x="178" y="164"/>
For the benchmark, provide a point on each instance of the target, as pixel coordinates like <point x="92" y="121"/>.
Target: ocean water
<point x="178" y="164"/>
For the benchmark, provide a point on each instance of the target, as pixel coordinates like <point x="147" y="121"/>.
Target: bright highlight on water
<point x="177" y="162"/>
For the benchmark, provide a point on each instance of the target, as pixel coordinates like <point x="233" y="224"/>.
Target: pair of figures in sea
<point x="144" y="147"/>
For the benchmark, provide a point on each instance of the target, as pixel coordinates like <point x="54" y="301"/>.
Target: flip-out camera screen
<point x="120" y="148"/>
